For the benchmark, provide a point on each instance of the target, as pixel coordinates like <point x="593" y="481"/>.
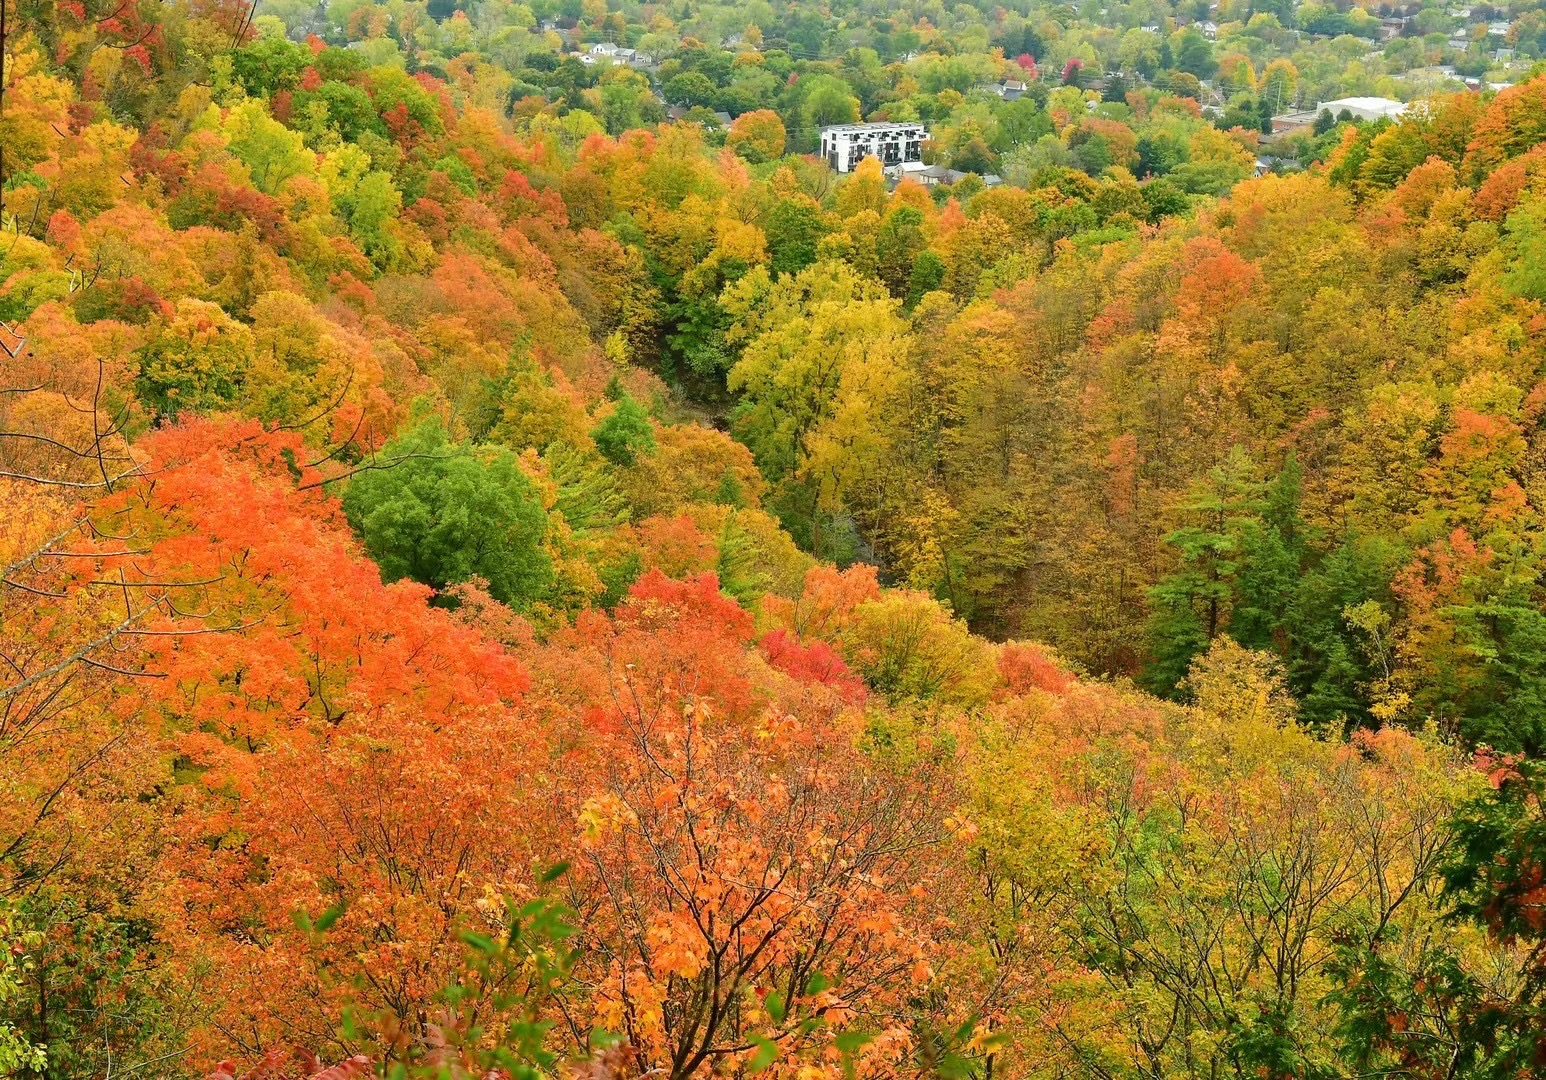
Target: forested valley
<point x="515" y="567"/>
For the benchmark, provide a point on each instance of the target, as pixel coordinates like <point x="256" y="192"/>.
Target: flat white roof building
<point x="1365" y="108"/>
<point x="845" y="145"/>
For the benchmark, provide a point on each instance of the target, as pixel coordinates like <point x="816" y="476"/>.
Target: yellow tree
<point x="822" y="352"/>
<point x="757" y="136"/>
<point x="1167" y="891"/>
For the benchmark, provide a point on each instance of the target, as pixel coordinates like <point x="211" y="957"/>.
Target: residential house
<point x="934" y="175"/>
<point x="1009" y="89"/>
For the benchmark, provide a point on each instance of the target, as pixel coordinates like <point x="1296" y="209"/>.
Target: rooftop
<point x="1378" y="105"/>
<point x="848" y="129"/>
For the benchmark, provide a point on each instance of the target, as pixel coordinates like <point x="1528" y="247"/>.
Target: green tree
<point x="928" y="274"/>
<point x="689" y="89"/>
<point x="1526" y="273"/>
<point x="897" y="247"/>
<point x="1500" y="630"/>
<point x="1272" y="549"/>
<point x="272" y="152"/>
<point x="268" y="65"/>
<point x="828" y="100"/>
<point x="1194" y="54"/>
<point x="1192" y="605"/>
<point x="793" y="228"/>
<point x="1333" y="661"/>
<point x="1164" y="198"/>
<point x="435" y="511"/>
<point x="973" y="156"/>
<point x="625" y="432"/>
<point x="375" y="205"/>
<point x="340" y="107"/>
<point x="1020" y="123"/>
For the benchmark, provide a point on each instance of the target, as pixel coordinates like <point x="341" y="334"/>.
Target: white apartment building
<point x="845" y="145"/>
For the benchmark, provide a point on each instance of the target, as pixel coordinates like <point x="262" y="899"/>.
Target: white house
<point x="843" y="146"/>
<point x="618" y="54"/>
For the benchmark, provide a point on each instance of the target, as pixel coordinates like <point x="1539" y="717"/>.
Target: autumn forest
<point x="515" y="567"/>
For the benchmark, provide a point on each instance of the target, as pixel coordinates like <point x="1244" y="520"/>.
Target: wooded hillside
<point x="487" y="596"/>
